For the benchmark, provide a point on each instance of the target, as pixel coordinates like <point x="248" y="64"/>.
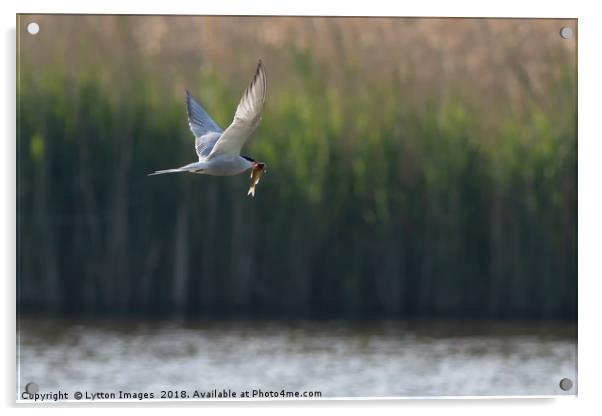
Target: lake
<point x="336" y="359"/>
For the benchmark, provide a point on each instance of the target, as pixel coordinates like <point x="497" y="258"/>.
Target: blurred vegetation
<point x="431" y="172"/>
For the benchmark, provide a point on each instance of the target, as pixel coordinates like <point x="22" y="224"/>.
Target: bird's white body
<point x="219" y="150"/>
<point x="221" y="165"/>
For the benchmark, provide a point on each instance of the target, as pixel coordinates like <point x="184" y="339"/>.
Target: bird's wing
<point x="205" y="130"/>
<point x="246" y="119"/>
<point x="204" y="144"/>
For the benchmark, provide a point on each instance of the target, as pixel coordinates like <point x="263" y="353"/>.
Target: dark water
<point x="336" y="358"/>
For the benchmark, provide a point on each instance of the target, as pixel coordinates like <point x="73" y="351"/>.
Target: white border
<point x="590" y="194"/>
<point x="462" y="8"/>
<point x="281" y="399"/>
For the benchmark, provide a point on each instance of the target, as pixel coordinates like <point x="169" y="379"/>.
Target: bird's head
<point x="255" y="165"/>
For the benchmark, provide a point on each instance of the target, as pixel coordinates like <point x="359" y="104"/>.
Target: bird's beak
<point x="258" y="166"/>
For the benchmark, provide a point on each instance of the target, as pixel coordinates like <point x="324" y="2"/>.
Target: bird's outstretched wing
<point x="246" y="119"/>
<point x="205" y="130"/>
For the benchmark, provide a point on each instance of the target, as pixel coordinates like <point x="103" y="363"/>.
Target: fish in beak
<point x="257" y="171"/>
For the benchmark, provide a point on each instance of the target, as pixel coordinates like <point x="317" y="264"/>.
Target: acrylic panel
<point x="343" y="207"/>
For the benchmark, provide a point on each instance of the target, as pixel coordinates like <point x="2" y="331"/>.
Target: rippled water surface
<point x="335" y="358"/>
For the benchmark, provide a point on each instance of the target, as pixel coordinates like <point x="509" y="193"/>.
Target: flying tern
<point x="219" y="150"/>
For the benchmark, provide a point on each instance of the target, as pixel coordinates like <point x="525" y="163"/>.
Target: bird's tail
<point x="161" y="172"/>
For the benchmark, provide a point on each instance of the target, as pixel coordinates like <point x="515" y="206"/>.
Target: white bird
<point x="219" y="150"/>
